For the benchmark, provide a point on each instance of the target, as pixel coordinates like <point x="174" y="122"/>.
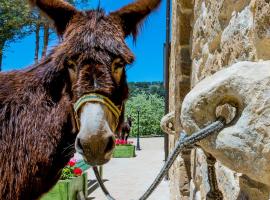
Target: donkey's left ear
<point x="59" y="11"/>
<point x="132" y="15"/>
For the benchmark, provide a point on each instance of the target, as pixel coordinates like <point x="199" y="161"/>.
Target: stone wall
<point x="207" y="36"/>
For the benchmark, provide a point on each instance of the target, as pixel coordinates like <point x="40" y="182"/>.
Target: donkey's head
<point x="94" y="51"/>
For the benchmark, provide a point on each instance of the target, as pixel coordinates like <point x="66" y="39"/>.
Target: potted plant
<point x="124" y="149"/>
<point x="73" y="182"/>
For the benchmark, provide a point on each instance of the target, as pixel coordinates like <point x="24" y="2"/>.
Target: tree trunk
<point x="37" y="31"/>
<point x="45" y="39"/>
<point x="2" y="44"/>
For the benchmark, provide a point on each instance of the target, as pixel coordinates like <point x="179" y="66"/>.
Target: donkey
<point x="125" y="129"/>
<point x="38" y="124"/>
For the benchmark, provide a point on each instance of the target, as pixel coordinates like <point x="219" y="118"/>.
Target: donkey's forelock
<point x="96" y="36"/>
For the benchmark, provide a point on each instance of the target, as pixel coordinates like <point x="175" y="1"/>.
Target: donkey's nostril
<point x="110" y="144"/>
<point x="79" y="147"/>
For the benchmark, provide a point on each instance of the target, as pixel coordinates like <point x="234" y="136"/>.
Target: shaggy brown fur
<point x="37" y="129"/>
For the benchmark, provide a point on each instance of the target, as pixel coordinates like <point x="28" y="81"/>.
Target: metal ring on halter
<point x="97" y="98"/>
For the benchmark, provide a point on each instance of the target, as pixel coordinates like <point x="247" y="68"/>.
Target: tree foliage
<point x="151" y="108"/>
<point x="14" y="16"/>
<point x="147" y="87"/>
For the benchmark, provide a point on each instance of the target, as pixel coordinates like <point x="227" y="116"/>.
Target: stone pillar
<point x="180" y="69"/>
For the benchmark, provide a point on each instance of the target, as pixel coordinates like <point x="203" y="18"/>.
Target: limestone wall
<point x="207" y="36"/>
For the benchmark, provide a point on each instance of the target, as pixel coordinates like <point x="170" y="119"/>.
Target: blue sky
<point x="148" y="48"/>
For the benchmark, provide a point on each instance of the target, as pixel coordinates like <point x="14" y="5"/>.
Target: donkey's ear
<point x="59" y="11"/>
<point x="132" y="15"/>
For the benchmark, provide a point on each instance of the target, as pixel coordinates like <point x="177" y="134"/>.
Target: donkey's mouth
<point x="97" y="161"/>
<point x="96" y="154"/>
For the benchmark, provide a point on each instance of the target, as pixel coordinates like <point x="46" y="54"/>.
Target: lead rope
<point x="180" y="146"/>
<point x="104" y="189"/>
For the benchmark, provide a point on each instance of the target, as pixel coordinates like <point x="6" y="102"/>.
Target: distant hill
<point x="147" y="88"/>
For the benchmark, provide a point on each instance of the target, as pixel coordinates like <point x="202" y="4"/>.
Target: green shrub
<point x="151" y="111"/>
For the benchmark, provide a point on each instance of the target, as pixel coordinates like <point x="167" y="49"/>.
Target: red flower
<point x="71" y="163"/>
<point x="122" y="141"/>
<point x="77" y="171"/>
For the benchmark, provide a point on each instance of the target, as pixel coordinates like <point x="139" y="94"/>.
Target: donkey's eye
<point x="118" y="63"/>
<point x="117" y="69"/>
<point x="71" y="63"/>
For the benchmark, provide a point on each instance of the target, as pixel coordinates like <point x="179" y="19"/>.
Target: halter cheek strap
<point x="97" y="98"/>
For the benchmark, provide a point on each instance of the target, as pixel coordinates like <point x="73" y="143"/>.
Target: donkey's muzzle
<point x="96" y="150"/>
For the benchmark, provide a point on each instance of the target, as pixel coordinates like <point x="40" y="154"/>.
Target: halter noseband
<point x="97" y="98"/>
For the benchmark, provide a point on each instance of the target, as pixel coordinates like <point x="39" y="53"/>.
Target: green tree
<point x="151" y="111"/>
<point x="153" y="89"/>
<point x="146" y="87"/>
<point x="14" y="17"/>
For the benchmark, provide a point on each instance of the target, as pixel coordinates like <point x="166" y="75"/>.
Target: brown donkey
<point x="125" y="129"/>
<point x="37" y="122"/>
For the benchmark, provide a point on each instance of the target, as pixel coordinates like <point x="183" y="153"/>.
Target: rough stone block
<point x="244" y="145"/>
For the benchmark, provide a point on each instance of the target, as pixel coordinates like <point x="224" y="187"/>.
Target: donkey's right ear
<point x="59" y="11"/>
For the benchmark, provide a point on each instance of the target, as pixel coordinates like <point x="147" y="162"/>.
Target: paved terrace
<point x="128" y="178"/>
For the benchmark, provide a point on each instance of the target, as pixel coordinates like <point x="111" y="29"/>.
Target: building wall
<point x="180" y="73"/>
<point x="207" y="36"/>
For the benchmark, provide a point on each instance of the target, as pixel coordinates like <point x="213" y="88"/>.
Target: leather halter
<point x="97" y="98"/>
